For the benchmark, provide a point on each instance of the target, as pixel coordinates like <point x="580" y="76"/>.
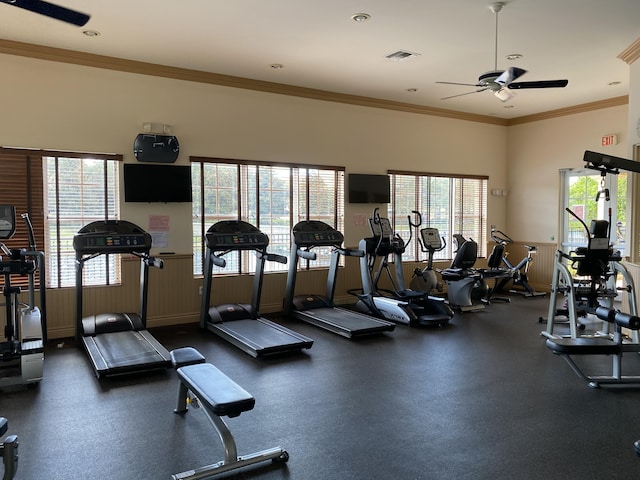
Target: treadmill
<point x="117" y="343"/>
<point x="242" y="325"/>
<point x="317" y="309"/>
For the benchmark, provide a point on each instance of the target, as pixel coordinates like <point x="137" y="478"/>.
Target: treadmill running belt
<point x="260" y="336"/>
<point x="120" y="349"/>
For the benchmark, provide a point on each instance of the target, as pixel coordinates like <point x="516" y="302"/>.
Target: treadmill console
<point x="111" y="236"/>
<point x="313" y="233"/>
<point x="235" y="235"/>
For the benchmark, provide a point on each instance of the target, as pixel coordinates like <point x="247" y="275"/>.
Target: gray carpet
<point x="481" y="399"/>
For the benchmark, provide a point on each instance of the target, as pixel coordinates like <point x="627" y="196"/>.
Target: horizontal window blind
<point x="21" y="186"/>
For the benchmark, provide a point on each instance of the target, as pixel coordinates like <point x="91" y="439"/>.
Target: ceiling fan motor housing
<point x="488" y="80"/>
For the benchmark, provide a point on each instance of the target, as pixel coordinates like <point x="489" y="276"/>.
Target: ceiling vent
<point x="402" y="55"/>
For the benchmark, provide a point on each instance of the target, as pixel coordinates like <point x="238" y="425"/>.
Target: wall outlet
<point x="200" y="290"/>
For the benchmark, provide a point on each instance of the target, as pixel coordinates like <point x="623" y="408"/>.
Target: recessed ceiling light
<point x="508" y="106"/>
<point x="276" y="66"/>
<point x="514" y="56"/>
<point x="90" y="33"/>
<point x="613" y="84"/>
<point x="412" y="90"/>
<point x="360" y="17"/>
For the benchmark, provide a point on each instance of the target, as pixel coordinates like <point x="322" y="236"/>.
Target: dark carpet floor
<point x="483" y="398"/>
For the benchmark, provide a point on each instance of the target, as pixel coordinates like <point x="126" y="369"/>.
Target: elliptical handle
<point x="418" y="216"/>
<point x="32" y="237"/>
<point x="499" y="236"/>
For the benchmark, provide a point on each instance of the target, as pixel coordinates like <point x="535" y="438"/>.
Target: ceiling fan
<point x="501" y="81"/>
<point x="50" y="10"/>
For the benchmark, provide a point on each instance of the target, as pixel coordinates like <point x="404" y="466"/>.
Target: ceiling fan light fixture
<point x="504" y="94"/>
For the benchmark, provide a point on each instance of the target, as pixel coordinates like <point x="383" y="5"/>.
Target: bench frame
<point x="616" y="347"/>
<point x="191" y="395"/>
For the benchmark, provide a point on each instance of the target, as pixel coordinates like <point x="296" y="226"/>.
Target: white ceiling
<point x="321" y="47"/>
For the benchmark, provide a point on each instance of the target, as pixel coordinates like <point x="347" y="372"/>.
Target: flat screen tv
<point x="157" y="183"/>
<point x="364" y="188"/>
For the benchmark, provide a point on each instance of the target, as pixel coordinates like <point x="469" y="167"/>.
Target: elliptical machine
<point x="22" y="353"/>
<point x="398" y="304"/>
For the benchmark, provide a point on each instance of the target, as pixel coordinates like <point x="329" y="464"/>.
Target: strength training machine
<point x="320" y="310"/>
<point x="8" y="451"/>
<point x="117" y="343"/>
<point x="202" y="385"/>
<point x="596" y="269"/>
<point x="597" y="263"/>
<point x="401" y="305"/>
<point x="22" y="352"/>
<point x="239" y="324"/>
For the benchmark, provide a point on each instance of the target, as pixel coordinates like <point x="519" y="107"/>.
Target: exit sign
<point x="609" y="140"/>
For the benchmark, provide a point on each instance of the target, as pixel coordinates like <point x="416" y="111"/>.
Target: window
<point x="580" y="193"/>
<point x="452" y="204"/>
<point x="273" y="197"/>
<point x="79" y="191"/>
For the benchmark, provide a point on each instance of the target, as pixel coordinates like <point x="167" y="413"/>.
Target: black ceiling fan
<point x="501" y="81"/>
<point x="51" y="10"/>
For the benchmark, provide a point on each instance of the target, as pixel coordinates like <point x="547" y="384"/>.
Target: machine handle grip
<point x="350" y="252"/>
<point x="218" y="261"/>
<point x="307" y="254"/>
<point x="274" y="257"/>
<point x="155" y="262"/>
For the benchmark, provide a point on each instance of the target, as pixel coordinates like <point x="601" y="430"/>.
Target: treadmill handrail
<point x="350" y="252"/>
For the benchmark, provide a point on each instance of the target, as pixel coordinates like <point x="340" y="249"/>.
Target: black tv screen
<point x="365" y="188"/>
<point x="157" y="183"/>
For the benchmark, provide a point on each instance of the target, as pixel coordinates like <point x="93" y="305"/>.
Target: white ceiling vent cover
<point x="402" y="55"/>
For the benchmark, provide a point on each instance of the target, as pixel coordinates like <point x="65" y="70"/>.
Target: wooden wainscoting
<point x="174" y="292"/>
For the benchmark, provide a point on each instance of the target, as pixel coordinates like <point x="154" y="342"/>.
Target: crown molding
<point x="631" y="53"/>
<point x="562" y="112"/>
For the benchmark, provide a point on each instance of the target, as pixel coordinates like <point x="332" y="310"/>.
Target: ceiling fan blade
<point x="462" y="94"/>
<point x="509" y="76"/>
<point x="465" y="84"/>
<point x="50" y="10"/>
<point x="540" y="84"/>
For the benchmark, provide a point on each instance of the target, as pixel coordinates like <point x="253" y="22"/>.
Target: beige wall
<point x="536" y="151"/>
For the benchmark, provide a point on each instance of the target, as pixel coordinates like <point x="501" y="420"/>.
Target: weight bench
<point x="615" y="346"/>
<point x="8" y="451"/>
<point x="203" y="385"/>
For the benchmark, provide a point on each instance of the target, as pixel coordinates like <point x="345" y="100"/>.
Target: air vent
<point x="402" y="55"/>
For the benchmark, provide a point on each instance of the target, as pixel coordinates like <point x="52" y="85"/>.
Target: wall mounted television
<point x="157" y="183"/>
<point x="365" y="188"/>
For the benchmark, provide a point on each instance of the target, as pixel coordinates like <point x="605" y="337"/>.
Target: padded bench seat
<point x="216" y="392"/>
<point x="583" y="346"/>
